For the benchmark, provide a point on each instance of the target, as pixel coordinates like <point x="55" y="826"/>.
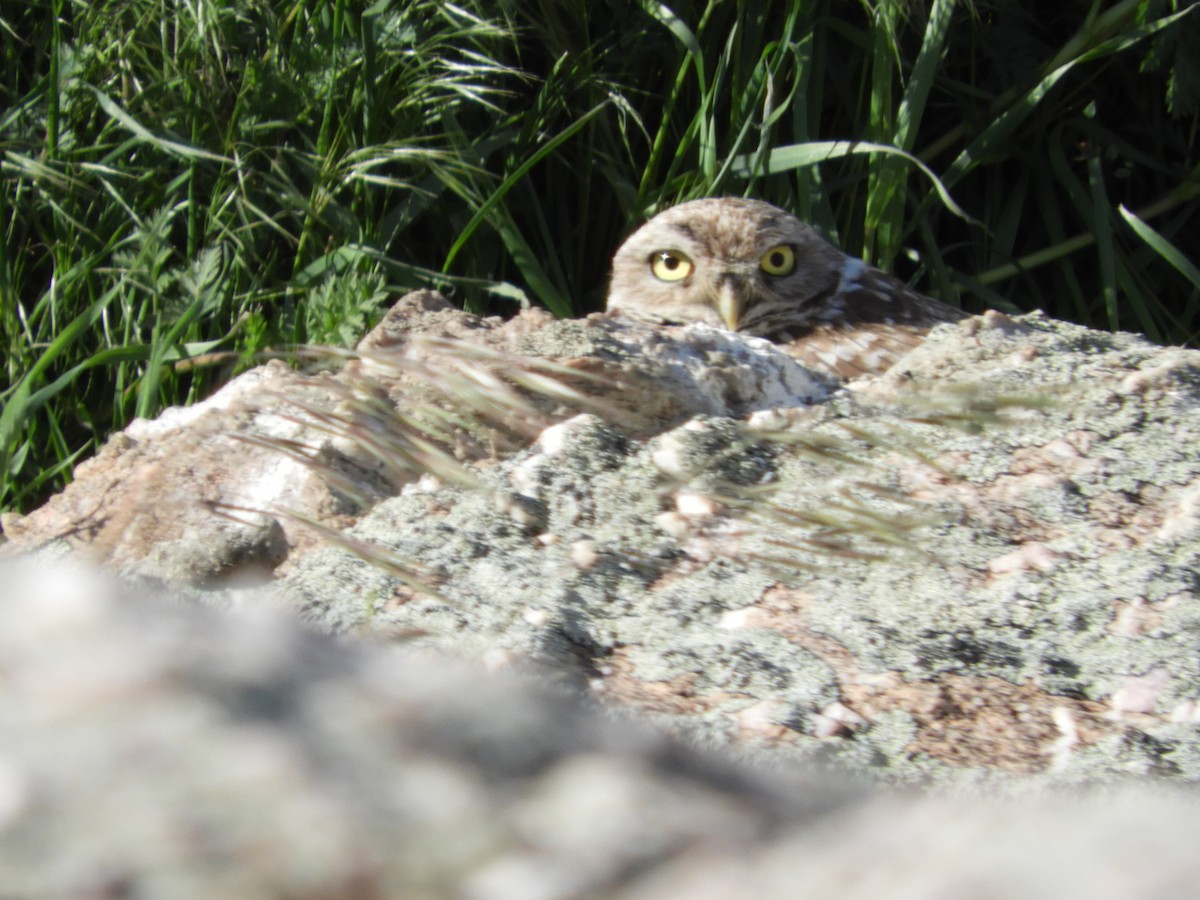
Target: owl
<point x="750" y="267"/>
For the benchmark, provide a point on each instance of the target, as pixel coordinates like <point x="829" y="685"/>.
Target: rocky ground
<point x="976" y="573"/>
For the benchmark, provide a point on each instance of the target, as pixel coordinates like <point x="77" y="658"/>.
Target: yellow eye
<point x="779" y="260"/>
<point x="671" y="265"/>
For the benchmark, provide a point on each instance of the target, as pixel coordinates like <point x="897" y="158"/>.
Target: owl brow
<point x="773" y="237"/>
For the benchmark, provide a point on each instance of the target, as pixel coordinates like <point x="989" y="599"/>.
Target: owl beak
<point x="730" y="303"/>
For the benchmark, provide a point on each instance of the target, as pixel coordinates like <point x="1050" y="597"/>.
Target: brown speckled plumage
<point x="830" y="311"/>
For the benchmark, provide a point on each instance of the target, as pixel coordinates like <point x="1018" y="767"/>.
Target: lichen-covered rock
<point x="981" y="566"/>
<point x="227" y="493"/>
<point x="187" y="498"/>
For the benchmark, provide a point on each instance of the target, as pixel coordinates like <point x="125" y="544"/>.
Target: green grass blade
<point x="694" y="60"/>
<point x="1162" y="246"/>
<point x="884" y="218"/>
<point x="924" y="74"/>
<point x="795" y="156"/>
<point x="20" y="402"/>
<point x="885" y="176"/>
<point x="495" y="197"/>
<point x="992" y="138"/>
<point x="344" y="259"/>
<point x="174" y="148"/>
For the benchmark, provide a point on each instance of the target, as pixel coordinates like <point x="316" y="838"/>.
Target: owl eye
<point x="671" y="265"/>
<point x="779" y="260"/>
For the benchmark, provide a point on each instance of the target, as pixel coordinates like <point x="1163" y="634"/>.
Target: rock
<point x="983" y="562"/>
<point x="187" y="498"/>
<point x="978" y="568"/>
<point x="152" y="748"/>
<point x="163" y="749"/>
<point x="225" y="492"/>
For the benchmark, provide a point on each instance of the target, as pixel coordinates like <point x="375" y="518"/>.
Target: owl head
<point x="739" y="264"/>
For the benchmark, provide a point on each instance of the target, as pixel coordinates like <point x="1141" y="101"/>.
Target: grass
<point x="187" y="185"/>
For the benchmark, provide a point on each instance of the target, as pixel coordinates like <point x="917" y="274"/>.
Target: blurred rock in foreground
<point x="150" y="748"/>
